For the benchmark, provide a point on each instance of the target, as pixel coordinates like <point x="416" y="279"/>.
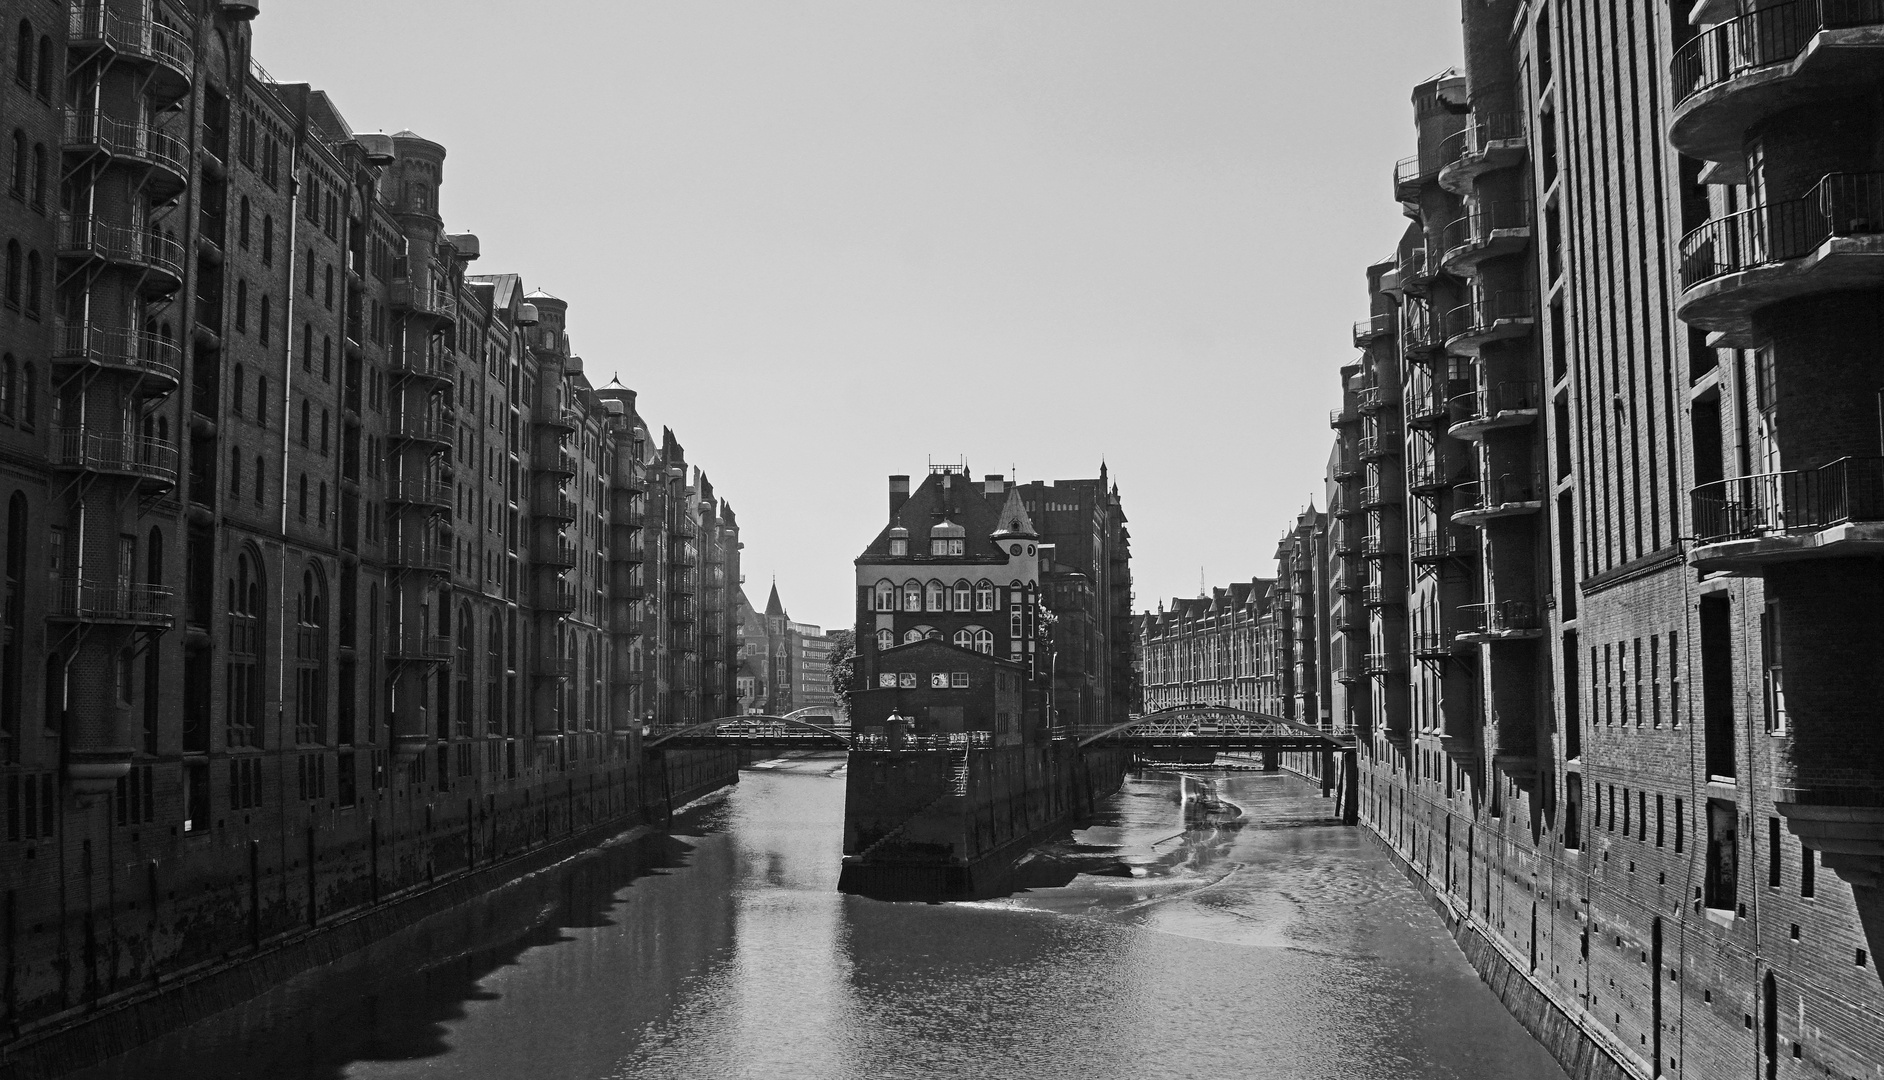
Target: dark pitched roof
<point x="956" y="498"/>
<point x="774" y="609"/>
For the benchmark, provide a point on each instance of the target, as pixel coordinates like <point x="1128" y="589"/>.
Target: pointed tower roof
<point x="774" y="609"/>
<point x="1014" y="518"/>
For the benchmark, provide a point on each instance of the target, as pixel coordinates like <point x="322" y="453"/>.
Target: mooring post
<point x="1327" y="773"/>
<point x="1350" y="788"/>
<point x="1269" y="760"/>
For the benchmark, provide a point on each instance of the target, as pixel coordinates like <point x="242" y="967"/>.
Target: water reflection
<point x="1269" y="943"/>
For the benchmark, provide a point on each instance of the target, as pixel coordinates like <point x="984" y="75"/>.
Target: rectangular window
<point x="1681" y="825"/>
<point x="886" y="679"/>
<point x="958" y="680"/>
<point x="906" y="680"/>
<point x="1625" y="812"/>
<point x="1721" y="891"/>
<point x="1655" y="679"/>
<point x="1808" y="872"/>
<point x="1773" y="679"/>
<point x="938" y="680"/>
<point x="1661" y="817"/>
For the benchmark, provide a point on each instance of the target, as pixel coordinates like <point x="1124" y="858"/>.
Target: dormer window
<point x="945" y="546"/>
<point x="899" y="542"/>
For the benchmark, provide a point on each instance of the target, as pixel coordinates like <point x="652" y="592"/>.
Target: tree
<point x="843" y="667"/>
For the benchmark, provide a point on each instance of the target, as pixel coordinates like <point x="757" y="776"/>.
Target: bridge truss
<point x="1217" y="727"/>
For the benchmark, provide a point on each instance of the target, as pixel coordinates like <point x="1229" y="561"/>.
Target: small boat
<point x="1201" y="802"/>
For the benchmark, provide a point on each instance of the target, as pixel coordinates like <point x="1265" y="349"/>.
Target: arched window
<point x="242" y="222"/>
<point x="322" y="520"/>
<point x="912" y="596"/>
<point x="32" y="282"/>
<point x="885" y="640"/>
<point x="22" y="165"/>
<point x="965" y="638"/>
<point x="961" y="599"/>
<point x="326" y="426"/>
<point x="264" y="317"/>
<point x="984" y="642"/>
<point x="14" y="261"/>
<point x="307" y="413"/>
<point x="36" y="193"/>
<point x="261" y="400"/>
<point x="23" y="55"/>
<point x="303" y="496"/>
<point x="268" y="240"/>
<point x="912" y="636"/>
<point x="42" y="71"/>
<point x="258" y="479"/>
<point x="237" y="380"/>
<point x="9" y="386"/>
<point x="235" y="470"/>
<point x="937" y="596"/>
<point x="307" y="345"/>
<point x="886" y="596"/>
<point x="242" y="307"/>
<point x="984" y="595"/>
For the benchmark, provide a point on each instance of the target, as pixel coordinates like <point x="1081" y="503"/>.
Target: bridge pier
<point x="1270" y="760"/>
<point x="1327" y="773"/>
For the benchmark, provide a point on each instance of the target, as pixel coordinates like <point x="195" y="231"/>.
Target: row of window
<point x="935" y="596"/>
<point x="971" y="637"/>
<point x="29" y="171"/>
<point x="909" y="680"/>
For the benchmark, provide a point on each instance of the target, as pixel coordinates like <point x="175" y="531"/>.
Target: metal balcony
<point x="94" y="601"/>
<point x="158" y="361"/>
<point x="1372" y="329"/>
<point x="432" y="558"/>
<point x="1416" y="268"/>
<point x="419" y="649"/>
<point x="1375" y="596"/>
<point x="558" y="598"/>
<point x="1490" y="141"/>
<point x="1433" y="548"/>
<point x="1508" y="404"/>
<point x="1732" y="76"/>
<point x="564" y="421"/>
<point x="1503" y="620"/>
<point x="1376" y="495"/>
<point x="142" y="248"/>
<point x="1376" y="547"/>
<point x="1347" y="468"/>
<point x="1435" y="645"/>
<point x="142" y="458"/>
<point x="1422" y="336"/>
<point x="1372" y="399"/>
<point x="1384" y="663"/>
<point x="426" y="429"/>
<point x="1425" y="478"/>
<point x="1503" y="315"/>
<point x="1340" y="418"/>
<point x="1375" y="445"/>
<point x="416" y="362"/>
<point x="1476" y="503"/>
<point x="434" y="493"/>
<point x="162" y="158"/>
<point x="558" y="553"/>
<point x="1836" y="510"/>
<point x="1829" y="239"/>
<point x="1487" y="231"/>
<point x="558" y="462"/>
<point x="556" y="506"/>
<point x="424" y="301"/>
<point x="93" y="27"/>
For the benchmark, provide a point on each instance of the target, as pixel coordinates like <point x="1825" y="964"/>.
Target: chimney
<point x="899" y="493"/>
<point x="994" y="484"/>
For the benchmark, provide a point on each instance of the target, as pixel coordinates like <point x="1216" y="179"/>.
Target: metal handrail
<point x="1476" y="225"/>
<point x="121" y="139"/>
<point x="1743" y="507"/>
<point x="1498" y="616"/>
<point x="121" y="243"/>
<point x="76" y="598"/>
<point x="422" y="491"/>
<point x="1440" y="545"/>
<point x="1772" y="35"/>
<point x="1840" y="204"/>
<point x="421" y="557"/>
<point x="120" y="347"/>
<point x="1419" y="330"/>
<point x="1488" y="128"/>
<point x="1384" y="663"/>
<point x="559" y="553"/>
<point x="136" y="36"/>
<point x="554" y="506"/>
<point x="115" y="451"/>
<point x="558" y="597"/>
<point x="1508" y="396"/>
<point x="424" y="299"/>
<point x="1372" y="327"/>
<point x="1485" y="311"/>
<point x="423" y="362"/>
<point x="421" y="427"/>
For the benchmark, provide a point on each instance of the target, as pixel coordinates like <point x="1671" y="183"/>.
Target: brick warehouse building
<point x="1605" y="487"/>
<point x="329" y="574"/>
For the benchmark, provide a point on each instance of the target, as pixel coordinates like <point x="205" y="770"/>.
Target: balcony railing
<point x="1487" y="129"/>
<point x="1478" y="226"/>
<point x="1433" y="644"/>
<point x="127" y="244"/>
<point x="433" y="557"/>
<point x="1498" y="399"/>
<point x="1510" y="311"/>
<point x="1499" y="617"/>
<point x="1849" y="489"/>
<point x="133" y="350"/>
<point x="1371" y="399"/>
<point x="76" y="600"/>
<point x="139" y="142"/>
<point x="556" y="505"/>
<point x="94" y="25"/>
<point x="116" y="452"/>
<point x="1347" y="468"/>
<point x="1378" y="444"/>
<point x="1424" y="475"/>
<point x="429" y="648"/>
<point x="1437" y="547"/>
<point x="1419" y="330"/>
<point x="1841" y="204"/>
<point x="555" y="598"/>
<point x="554" y="553"/>
<point x="415" y="362"/>
<point x="421" y="299"/>
<point x="428" y="492"/>
<point x="1384" y="663"/>
<point x="1382" y="595"/>
<point x="1369" y="330"/>
<point x="1772" y="35"/>
<point x="422" y="429"/>
<point x="1375" y="547"/>
<point x="556" y="667"/>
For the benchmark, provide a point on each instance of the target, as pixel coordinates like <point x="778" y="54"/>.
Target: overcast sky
<point x="829" y="241"/>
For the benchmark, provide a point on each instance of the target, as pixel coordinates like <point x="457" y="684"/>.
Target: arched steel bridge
<point x="1190" y="727"/>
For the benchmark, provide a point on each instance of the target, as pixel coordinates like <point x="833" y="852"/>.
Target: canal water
<point x="1274" y="944"/>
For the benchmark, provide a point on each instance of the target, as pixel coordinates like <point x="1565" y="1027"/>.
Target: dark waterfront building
<point x="329" y="574"/>
<point x="963" y="757"/>
<point x="1602" y="576"/>
<point x="1086" y="578"/>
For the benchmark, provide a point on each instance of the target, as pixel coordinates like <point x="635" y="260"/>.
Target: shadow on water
<point x="395" y="1000"/>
